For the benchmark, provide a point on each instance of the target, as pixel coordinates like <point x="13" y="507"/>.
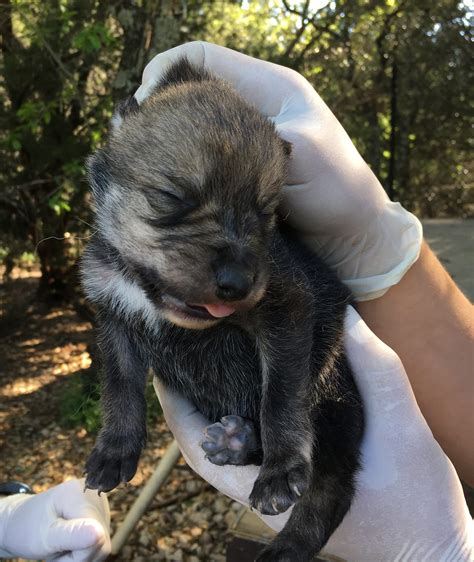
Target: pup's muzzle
<point x="234" y="282"/>
<point x="235" y="271"/>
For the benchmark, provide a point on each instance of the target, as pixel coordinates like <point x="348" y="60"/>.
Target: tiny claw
<point x="296" y="490"/>
<point x="99" y="492"/>
<point x="274" y="505"/>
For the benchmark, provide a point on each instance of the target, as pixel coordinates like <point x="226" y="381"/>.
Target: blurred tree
<point x="55" y="58"/>
<point x="397" y="73"/>
<point x="64" y="63"/>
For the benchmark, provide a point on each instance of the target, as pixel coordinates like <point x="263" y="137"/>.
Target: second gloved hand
<point x="62" y="524"/>
<point x="409" y="503"/>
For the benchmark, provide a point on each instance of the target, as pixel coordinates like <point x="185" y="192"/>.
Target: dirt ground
<point x="40" y="348"/>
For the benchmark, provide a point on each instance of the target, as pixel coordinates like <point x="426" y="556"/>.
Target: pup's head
<point x="186" y="191"/>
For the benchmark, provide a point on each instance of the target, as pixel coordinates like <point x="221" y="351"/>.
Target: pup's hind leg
<point x="233" y="440"/>
<point x="313" y="520"/>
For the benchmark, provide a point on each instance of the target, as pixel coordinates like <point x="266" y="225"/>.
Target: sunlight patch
<point x="28" y="385"/>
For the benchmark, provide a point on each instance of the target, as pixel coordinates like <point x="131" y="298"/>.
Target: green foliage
<point x="53" y="56"/>
<point x="396" y="73"/>
<point x="80" y="407"/>
<point x="80" y="404"/>
<point x="27" y="258"/>
<point x="92" y="38"/>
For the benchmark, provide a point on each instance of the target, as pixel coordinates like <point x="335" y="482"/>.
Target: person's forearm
<point x="429" y="323"/>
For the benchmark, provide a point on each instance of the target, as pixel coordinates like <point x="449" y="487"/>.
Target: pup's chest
<point x="217" y="369"/>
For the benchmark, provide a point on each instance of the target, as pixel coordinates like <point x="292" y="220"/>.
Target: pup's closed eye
<point x="176" y="197"/>
<point x="165" y="200"/>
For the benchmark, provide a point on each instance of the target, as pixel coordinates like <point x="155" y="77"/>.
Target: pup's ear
<point x="99" y="175"/>
<point x="287" y="147"/>
<point x="183" y="71"/>
<point x="126" y="107"/>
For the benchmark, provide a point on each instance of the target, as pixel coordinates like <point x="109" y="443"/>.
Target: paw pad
<point x="229" y="441"/>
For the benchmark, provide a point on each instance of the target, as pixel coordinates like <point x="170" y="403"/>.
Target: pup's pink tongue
<point x="218" y="310"/>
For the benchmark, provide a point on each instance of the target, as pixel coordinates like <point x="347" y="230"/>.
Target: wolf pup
<point x="194" y="276"/>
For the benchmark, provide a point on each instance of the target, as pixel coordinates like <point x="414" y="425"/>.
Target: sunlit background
<point x="398" y="74"/>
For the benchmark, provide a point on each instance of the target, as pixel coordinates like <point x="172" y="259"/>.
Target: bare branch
<point x="180" y="498"/>
<point x="33" y="183"/>
<point x="299" y="33"/>
<point x="288" y="8"/>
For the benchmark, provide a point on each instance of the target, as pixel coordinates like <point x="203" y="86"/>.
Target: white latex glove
<point x="64" y="524"/>
<point x="332" y="197"/>
<point x="409" y="505"/>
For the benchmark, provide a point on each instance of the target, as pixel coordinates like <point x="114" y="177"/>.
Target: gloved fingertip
<point x="351" y="318"/>
<point x="92" y="532"/>
<point x="75" y="534"/>
<point x="359" y="335"/>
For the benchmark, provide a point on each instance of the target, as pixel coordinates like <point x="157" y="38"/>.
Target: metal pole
<point x="165" y="466"/>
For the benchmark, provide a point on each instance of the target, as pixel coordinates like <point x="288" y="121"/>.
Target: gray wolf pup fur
<point x="194" y="276"/>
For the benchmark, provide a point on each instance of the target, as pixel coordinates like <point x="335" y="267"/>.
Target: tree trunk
<point x="393" y="131"/>
<point x="52" y="284"/>
<point x="59" y="277"/>
<point x="146" y="33"/>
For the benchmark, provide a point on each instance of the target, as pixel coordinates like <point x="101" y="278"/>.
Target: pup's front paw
<point x="112" y="461"/>
<point x="233" y="440"/>
<point x="279" y="485"/>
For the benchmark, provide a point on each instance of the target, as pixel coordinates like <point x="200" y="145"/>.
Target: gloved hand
<point x="332" y="197"/>
<point x="62" y="524"/>
<point x="409" y="503"/>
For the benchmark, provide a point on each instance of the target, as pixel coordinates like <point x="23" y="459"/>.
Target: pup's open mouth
<point x="214" y="311"/>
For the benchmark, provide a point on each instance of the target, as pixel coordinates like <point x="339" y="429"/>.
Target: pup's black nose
<point x="233" y="282"/>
